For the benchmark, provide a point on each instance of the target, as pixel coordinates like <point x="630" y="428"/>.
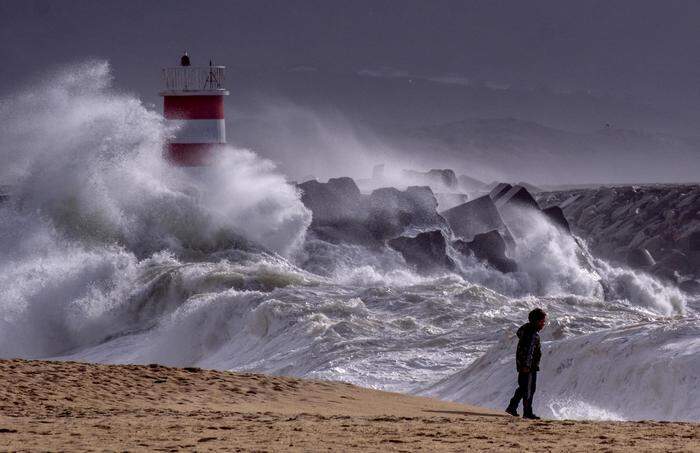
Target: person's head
<point x="537" y="318"/>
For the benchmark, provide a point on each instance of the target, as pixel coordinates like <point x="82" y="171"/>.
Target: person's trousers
<point x="527" y="383"/>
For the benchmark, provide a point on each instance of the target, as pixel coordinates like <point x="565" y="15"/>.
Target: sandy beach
<point x="68" y="406"/>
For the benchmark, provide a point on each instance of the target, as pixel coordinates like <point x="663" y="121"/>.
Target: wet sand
<point x="75" y="406"/>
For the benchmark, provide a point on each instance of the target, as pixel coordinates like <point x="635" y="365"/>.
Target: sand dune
<point x="76" y="406"/>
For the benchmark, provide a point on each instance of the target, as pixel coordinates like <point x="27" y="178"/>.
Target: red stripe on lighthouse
<point x="191" y="154"/>
<point x="194" y="107"/>
<point x="200" y="128"/>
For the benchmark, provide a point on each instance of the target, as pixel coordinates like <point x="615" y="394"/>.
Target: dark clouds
<point x="572" y="65"/>
<point x="648" y="49"/>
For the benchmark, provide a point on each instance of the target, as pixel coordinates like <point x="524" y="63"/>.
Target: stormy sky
<point x="569" y="65"/>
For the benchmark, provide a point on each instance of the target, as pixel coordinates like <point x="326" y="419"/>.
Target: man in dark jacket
<point x="527" y="361"/>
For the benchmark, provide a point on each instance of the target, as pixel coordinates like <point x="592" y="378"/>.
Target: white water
<point x="109" y="255"/>
<point x="647" y="370"/>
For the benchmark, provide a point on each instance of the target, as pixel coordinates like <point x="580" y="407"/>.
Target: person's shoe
<point x="531" y="416"/>
<point x="512" y="411"/>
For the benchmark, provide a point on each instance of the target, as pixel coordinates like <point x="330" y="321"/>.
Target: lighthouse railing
<point x="194" y="78"/>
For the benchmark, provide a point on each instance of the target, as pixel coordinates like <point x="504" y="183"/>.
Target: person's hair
<point x="536" y="315"/>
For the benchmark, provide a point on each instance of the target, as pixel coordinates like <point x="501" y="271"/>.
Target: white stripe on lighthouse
<point x="198" y="131"/>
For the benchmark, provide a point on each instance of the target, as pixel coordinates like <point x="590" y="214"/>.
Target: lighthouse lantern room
<point x="193" y="102"/>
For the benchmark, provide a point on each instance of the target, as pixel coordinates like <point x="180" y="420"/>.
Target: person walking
<point x="527" y="362"/>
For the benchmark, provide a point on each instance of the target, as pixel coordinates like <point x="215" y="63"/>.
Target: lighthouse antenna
<point x="212" y="81"/>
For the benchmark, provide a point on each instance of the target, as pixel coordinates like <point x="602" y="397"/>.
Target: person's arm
<point x="530" y="351"/>
<point x="526" y="349"/>
<point x="521" y="354"/>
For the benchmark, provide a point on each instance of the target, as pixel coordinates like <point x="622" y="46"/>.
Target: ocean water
<point x="110" y="255"/>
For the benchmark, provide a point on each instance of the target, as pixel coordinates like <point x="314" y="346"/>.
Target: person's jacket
<point x="528" y="353"/>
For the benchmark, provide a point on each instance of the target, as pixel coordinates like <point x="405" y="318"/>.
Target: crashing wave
<point x="110" y="255"/>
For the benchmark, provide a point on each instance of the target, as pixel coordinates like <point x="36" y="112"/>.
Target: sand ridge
<point x="77" y="406"/>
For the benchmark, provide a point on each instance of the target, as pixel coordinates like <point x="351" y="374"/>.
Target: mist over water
<point x="111" y="255"/>
<point x="93" y="203"/>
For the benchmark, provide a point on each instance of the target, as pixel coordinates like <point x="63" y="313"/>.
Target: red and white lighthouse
<point x="193" y="102"/>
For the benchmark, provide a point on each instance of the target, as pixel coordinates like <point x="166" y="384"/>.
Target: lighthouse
<point x="193" y="102"/>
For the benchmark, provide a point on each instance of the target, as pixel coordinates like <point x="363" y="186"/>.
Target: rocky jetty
<point x="393" y="212"/>
<point x="555" y="214"/>
<point x="509" y="196"/>
<point x="426" y="252"/>
<point x="490" y="248"/>
<point x="655" y="228"/>
<point x="335" y="201"/>
<point x="651" y="228"/>
<point x="475" y="217"/>
<point x="408" y="221"/>
<point x="339" y="211"/>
